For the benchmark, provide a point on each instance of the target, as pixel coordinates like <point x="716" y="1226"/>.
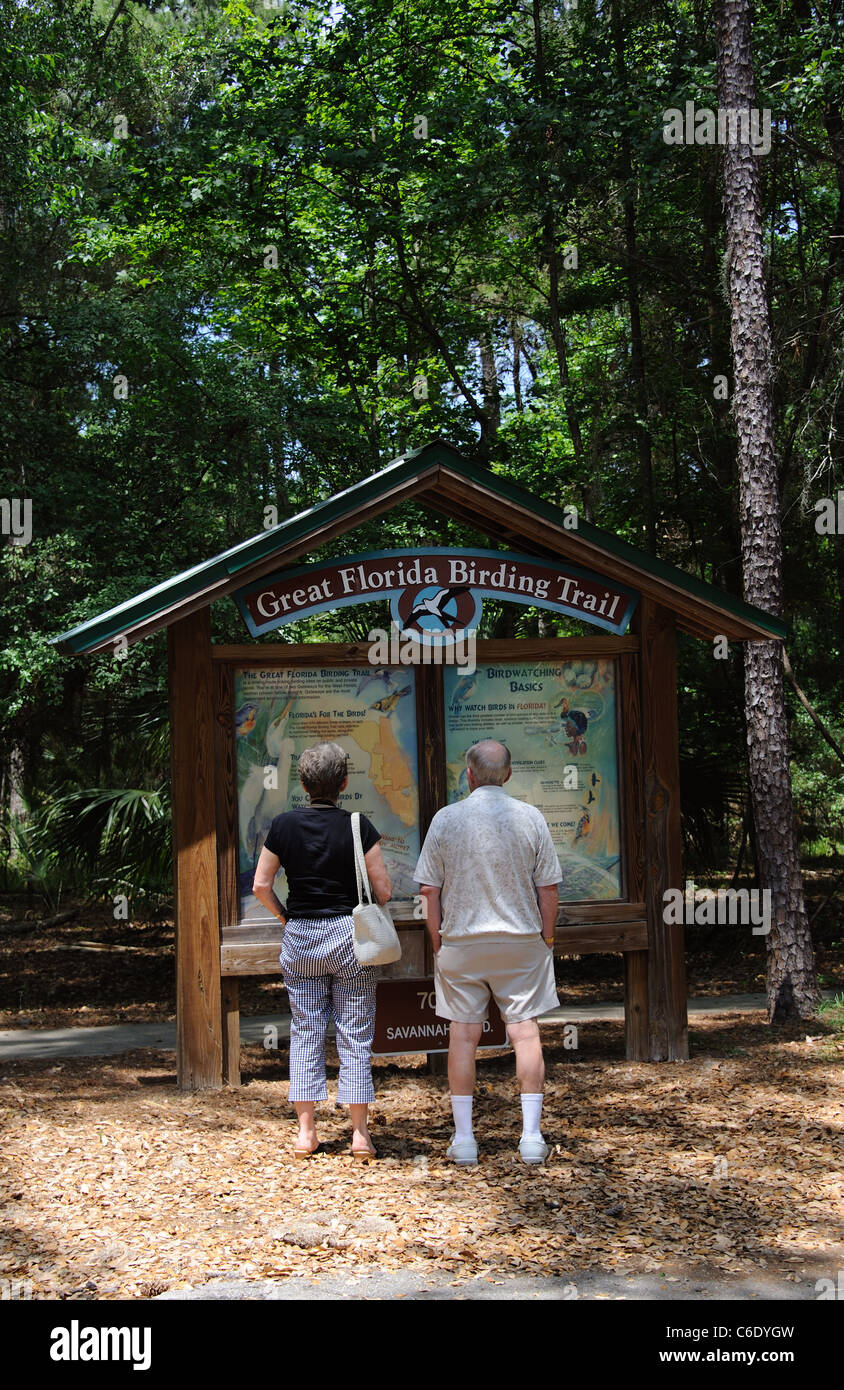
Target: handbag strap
<point x="361" y="875"/>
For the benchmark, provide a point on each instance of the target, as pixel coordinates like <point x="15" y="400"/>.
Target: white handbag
<point x="376" y="941"/>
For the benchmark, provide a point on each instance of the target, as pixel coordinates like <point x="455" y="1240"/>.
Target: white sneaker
<point x="533" y="1150"/>
<point x="464" y="1152"/>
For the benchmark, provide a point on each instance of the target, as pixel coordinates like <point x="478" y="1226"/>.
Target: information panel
<point x="371" y="713"/>
<point x="559" y="721"/>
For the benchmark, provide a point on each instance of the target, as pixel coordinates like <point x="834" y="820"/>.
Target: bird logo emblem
<point x="437" y="611"/>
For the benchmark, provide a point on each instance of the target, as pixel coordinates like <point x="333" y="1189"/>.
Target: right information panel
<point x="559" y="722"/>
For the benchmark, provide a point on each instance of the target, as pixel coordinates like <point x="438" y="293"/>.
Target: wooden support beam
<point x="633" y="829"/>
<point x="225" y="763"/>
<point x="230" y="996"/>
<point x="596" y="937"/>
<point x="431" y="754"/>
<point x="356" y="653"/>
<point x="198" y="1005"/>
<point x="255" y="951"/>
<point x="225" y="776"/>
<point x="636" y="1006"/>
<point x="668" y="1036"/>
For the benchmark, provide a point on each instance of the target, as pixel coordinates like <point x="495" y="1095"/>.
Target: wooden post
<point x="636" y="1006"/>
<point x="633" y="825"/>
<point x="225" y="779"/>
<point x="430" y="714"/>
<point x="668" y="1037"/>
<point x="198" y="1007"/>
<point x="230" y="1003"/>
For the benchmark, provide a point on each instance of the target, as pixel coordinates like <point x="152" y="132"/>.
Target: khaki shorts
<point x="517" y="970"/>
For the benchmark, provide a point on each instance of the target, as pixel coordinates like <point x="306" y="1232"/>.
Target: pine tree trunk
<point x="792" y="983"/>
<point x="489" y="378"/>
<point x="631" y="260"/>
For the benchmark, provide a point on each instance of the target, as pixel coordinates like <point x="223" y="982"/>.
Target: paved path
<point x="125" y="1037"/>
<point x="428" y="1285"/>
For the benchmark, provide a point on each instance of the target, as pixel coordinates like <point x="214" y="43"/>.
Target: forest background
<point x="250" y="252"/>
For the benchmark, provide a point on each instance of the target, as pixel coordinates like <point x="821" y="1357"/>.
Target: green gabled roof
<point x="439" y="477"/>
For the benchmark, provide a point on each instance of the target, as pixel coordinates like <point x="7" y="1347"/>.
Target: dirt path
<point x="729" y="1167"/>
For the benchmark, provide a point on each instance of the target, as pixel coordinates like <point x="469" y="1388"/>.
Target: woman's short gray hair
<point x="322" y="768"/>
<point x="489" y="761"/>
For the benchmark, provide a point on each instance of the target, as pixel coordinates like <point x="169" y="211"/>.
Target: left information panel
<point x="371" y="713"/>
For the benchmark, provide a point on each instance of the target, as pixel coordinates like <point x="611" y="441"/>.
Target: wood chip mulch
<point x="114" y="1184"/>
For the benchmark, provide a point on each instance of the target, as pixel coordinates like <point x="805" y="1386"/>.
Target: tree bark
<point x="549" y="250"/>
<point x="489" y="376"/>
<point x="792" y="983"/>
<point x="516" y="334"/>
<point x="631" y="261"/>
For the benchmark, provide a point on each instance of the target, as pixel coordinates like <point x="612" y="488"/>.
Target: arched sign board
<point x="435" y="589"/>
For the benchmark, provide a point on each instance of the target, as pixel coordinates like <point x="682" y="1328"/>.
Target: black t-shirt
<point x="314" y="844"/>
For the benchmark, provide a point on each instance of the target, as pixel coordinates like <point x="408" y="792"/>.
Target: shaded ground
<point x="95" y="970"/>
<point x="430" y="1285"/>
<point x="731" y="1166"/>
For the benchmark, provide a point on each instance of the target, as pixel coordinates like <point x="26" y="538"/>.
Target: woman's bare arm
<point x="378" y="876"/>
<point x="262" y="886"/>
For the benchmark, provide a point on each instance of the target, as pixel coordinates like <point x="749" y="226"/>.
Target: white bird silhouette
<point x="433" y="607"/>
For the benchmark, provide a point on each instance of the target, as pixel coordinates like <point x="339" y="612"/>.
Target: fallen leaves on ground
<point x="117" y="1185"/>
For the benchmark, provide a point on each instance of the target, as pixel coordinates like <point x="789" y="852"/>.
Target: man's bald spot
<point x="489" y="761"/>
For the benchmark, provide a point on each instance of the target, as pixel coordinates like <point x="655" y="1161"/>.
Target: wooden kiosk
<point x="644" y="602"/>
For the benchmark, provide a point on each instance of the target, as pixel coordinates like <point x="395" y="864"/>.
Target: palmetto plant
<point x="34" y="862"/>
<point x="115" y="836"/>
<point x="100" y="840"/>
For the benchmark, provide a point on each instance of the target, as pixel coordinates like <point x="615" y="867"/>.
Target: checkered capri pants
<point x="323" y="977"/>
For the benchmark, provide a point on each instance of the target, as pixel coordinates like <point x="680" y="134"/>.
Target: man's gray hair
<point x="489" y="761"/>
<point x="322" y="768"/>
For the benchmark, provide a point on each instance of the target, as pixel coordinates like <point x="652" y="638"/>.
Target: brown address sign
<point x="406" y="1020"/>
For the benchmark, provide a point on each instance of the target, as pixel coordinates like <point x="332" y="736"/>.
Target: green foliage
<point x="118" y="840"/>
<point x="239" y="210"/>
<point x="35" y="861"/>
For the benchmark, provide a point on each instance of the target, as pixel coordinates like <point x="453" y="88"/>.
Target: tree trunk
<point x="838" y="545"/>
<point x="489" y="376"/>
<point x="631" y="261"/>
<point x="516" y="334"/>
<point x="550" y="253"/>
<point x="792" y="983"/>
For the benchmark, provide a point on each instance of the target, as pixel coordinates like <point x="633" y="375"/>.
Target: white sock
<point x="531" y="1115"/>
<point x="461" y="1109"/>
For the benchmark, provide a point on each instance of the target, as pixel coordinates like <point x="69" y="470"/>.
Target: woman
<point x="322" y="974"/>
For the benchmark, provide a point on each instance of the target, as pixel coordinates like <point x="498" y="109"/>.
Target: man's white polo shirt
<point x="488" y="854"/>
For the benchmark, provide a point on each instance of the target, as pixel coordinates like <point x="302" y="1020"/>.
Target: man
<point x="489" y="875"/>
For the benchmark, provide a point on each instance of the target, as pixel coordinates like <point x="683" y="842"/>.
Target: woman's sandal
<point x="306" y="1153"/>
<point x="363" y="1155"/>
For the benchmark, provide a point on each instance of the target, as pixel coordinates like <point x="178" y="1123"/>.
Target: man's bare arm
<point x="433" y="914"/>
<point x="548" y="904"/>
